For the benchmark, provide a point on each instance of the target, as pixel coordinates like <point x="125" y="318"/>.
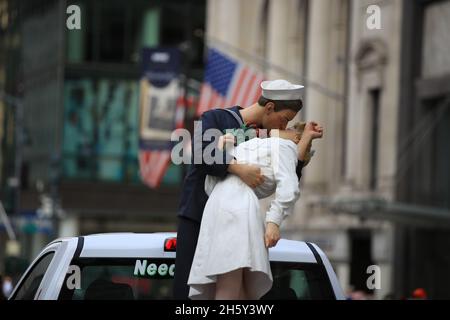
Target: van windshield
<point x="152" y="279"/>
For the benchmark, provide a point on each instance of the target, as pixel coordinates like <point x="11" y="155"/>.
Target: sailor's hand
<point x="226" y="141"/>
<point x="250" y="174"/>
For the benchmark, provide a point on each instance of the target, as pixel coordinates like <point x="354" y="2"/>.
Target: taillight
<point x="170" y="244"/>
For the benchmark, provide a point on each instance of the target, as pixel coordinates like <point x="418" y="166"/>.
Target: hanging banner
<point x="161" y="109"/>
<point x="159" y="92"/>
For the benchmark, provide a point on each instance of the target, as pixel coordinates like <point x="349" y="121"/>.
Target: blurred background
<point x="377" y="77"/>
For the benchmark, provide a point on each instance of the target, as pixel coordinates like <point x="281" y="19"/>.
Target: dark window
<point x="441" y="166"/>
<point x="295" y="281"/>
<point x="30" y="284"/>
<point x="114" y="32"/>
<point x="121" y="279"/>
<point x="264" y="25"/>
<point x="361" y="258"/>
<point x="375" y="102"/>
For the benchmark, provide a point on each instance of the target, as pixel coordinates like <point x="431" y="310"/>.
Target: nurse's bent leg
<point x="228" y="285"/>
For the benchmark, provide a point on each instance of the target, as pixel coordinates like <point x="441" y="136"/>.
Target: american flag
<point x="153" y="164"/>
<point x="228" y="83"/>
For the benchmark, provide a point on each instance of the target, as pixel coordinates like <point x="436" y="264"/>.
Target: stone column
<point x="325" y="49"/>
<point x="325" y="67"/>
<point x="237" y="27"/>
<point x="286" y="38"/>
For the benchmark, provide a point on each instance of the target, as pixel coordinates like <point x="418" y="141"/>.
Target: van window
<point x="31" y="282"/>
<point x="299" y="281"/>
<point x="120" y="279"/>
<point x="152" y="279"/>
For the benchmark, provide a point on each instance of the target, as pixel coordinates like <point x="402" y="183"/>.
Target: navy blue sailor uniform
<point x="194" y="197"/>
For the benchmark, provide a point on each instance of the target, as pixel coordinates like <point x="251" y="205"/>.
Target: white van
<point x="131" y="266"/>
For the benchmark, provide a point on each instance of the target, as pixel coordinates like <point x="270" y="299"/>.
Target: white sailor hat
<point x="281" y="90"/>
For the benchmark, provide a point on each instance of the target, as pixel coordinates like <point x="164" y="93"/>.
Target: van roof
<point x="151" y="245"/>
